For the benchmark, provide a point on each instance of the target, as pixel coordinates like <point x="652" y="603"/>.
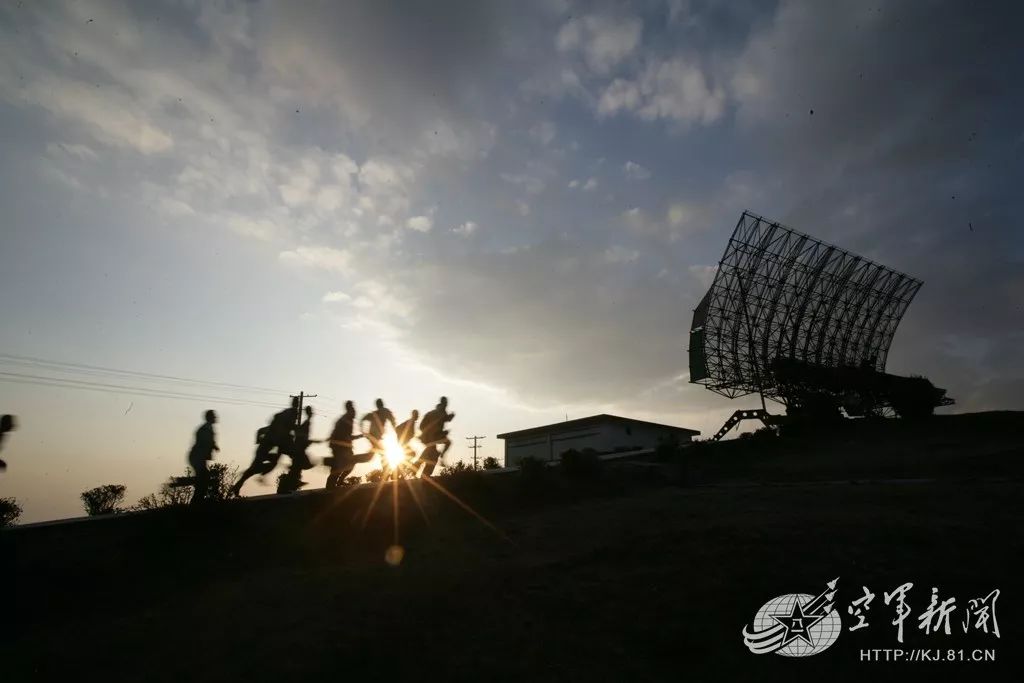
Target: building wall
<point x="602" y="437"/>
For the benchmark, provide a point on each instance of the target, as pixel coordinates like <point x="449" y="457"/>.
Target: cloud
<point x="319" y="257"/>
<point x="465" y="229"/>
<point x="603" y="40"/>
<point x="530" y="183"/>
<point x="543" y="132"/>
<point x="82" y="152"/>
<point x="620" y="254"/>
<point x="111" y="117"/>
<point x="336" y="297"/>
<point x="408" y="75"/>
<point x="635" y="171"/>
<point x="257" y="228"/>
<point x="533" y="307"/>
<point x="674" y="90"/>
<point x="704" y="274"/>
<point x="420" y="223"/>
<point x="197" y="119"/>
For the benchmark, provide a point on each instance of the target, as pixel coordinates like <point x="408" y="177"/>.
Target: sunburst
<point x="400" y="469"/>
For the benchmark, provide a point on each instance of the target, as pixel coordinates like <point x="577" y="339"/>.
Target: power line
<point x="20" y="378"/>
<point x="93" y="369"/>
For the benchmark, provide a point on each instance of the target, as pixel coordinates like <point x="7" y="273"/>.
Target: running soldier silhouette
<point x="291" y="481"/>
<point x="200" y="456"/>
<point x="342" y="460"/>
<point x="373" y="425"/>
<point x="433" y="435"/>
<point x="405" y="433"/>
<point x="7" y="424"/>
<point x="272" y="442"/>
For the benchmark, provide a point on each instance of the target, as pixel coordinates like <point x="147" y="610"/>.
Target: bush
<point x="580" y="464"/>
<point x="222" y="478"/>
<point x="176" y="491"/>
<point x="531" y="470"/>
<point x="10" y="511"/>
<point x="667" y="449"/>
<point x="103" y="500"/>
<point x="459" y="468"/>
<point x="353" y="481"/>
<point x="374" y="476"/>
<point x="491" y="463"/>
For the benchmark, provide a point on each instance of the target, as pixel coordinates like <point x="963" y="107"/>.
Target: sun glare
<point x="394" y="456"/>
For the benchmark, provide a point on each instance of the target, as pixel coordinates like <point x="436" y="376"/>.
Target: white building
<point x="602" y="433"/>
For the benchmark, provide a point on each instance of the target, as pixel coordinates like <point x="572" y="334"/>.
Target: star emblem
<point x="797" y="624"/>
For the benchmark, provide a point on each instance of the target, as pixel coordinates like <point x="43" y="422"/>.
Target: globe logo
<point x="795" y="625"/>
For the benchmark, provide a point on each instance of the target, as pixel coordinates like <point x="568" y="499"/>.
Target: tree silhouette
<point x="103" y="500"/>
<point x="491" y="463"/>
<point x="221" y="479"/>
<point x="172" y="493"/>
<point x="10" y="511"/>
<point x="457" y="468"/>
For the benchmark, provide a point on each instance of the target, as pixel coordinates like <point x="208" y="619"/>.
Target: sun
<point x="393" y="455"/>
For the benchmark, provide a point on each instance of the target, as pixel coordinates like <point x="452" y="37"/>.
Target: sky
<point x="513" y="204"/>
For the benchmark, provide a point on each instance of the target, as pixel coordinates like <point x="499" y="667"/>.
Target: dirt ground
<point x="626" y="578"/>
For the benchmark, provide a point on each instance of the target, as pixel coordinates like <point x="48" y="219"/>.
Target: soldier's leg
<point x="429" y="458"/>
<point x="257" y="466"/>
<point x="202" y="481"/>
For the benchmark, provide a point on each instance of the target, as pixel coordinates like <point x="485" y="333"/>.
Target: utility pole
<point x="298" y="413"/>
<point x="474" y="439"/>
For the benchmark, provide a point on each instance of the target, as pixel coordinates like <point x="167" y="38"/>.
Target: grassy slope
<point x="618" y="580"/>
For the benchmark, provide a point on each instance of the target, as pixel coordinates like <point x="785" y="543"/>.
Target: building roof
<point x="592" y="420"/>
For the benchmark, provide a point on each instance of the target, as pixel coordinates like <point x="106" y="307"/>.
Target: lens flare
<point x="393" y="455"/>
<point x="394" y="554"/>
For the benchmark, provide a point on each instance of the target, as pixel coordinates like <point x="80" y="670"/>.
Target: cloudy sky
<point x="516" y="204"/>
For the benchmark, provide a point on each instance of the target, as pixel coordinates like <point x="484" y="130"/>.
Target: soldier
<point x="342" y="460"/>
<point x="433" y="434"/>
<point x="272" y="441"/>
<point x="405" y="433"/>
<point x="292" y="479"/>
<point x="201" y="454"/>
<point x="7" y="424"/>
<point x="432" y="431"/>
<point x="373" y="425"/>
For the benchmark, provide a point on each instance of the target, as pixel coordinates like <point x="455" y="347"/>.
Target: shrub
<point x="103" y="500"/>
<point x="491" y="463"/>
<point x="222" y="478"/>
<point x="531" y="470"/>
<point x="667" y="449"/>
<point x="374" y="476"/>
<point x="580" y="464"/>
<point x="178" y="490"/>
<point x="459" y="468"/>
<point x="353" y="481"/>
<point x="10" y="511"/>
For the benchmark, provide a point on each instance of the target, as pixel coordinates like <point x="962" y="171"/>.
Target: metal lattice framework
<point x="779" y="293"/>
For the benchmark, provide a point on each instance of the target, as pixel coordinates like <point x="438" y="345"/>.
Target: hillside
<point x="648" y="573"/>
